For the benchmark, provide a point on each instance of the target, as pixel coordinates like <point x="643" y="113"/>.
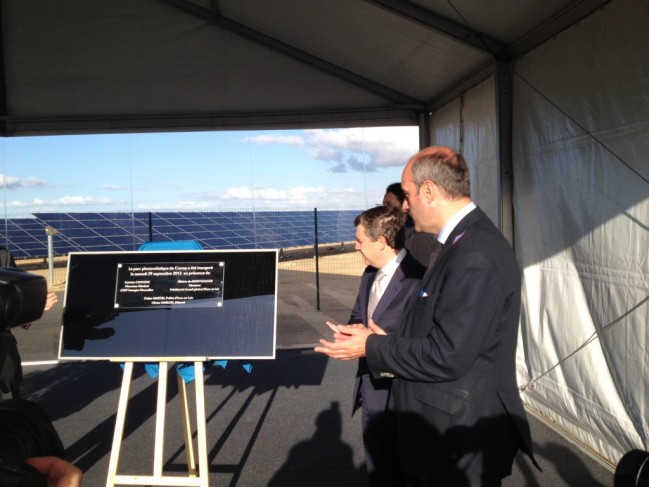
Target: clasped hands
<point x="349" y="340"/>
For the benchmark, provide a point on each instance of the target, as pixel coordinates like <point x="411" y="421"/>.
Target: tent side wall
<point x="581" y="132"/>
<point x="469" y="125"/>
<point x="581" y="206"/>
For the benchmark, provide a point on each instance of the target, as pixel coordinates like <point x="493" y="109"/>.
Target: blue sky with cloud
<point x="202" y="171"/>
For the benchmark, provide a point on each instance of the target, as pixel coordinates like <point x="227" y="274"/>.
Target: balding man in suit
<point x="459" y="417"/>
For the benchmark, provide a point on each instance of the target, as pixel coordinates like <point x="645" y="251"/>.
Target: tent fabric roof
<point x="85" y="66"/>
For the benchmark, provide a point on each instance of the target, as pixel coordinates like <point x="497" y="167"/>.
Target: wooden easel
<point x="198" y="478"/>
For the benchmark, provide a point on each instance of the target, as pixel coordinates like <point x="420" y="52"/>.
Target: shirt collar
<point x="391" y="267"/>
<point x="455" y="219"/>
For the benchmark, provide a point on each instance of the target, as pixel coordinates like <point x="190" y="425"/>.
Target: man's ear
<point x="381" y="240"/>
<point x="429" y="190"/>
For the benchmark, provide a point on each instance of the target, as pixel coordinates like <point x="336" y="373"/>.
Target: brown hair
<point x="383" y="221"/>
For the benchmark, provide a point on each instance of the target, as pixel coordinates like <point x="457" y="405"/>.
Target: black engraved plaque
<point x="164" y="284"/>
<point x="174" y="305"/>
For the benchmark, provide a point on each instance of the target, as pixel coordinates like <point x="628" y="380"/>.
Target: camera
<point x="22" y="297"/>
<point x="25" y="431"/>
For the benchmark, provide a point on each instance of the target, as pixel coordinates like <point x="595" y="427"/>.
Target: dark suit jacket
<point x="388" y="314"/>
<point x="423" y="247"/>
<point x="459" y="415"/>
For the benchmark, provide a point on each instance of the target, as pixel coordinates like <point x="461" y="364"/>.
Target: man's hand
<point x="50" y="301"/>
<point x="349" y="342"/>
<point x="59" y="473"/>
<point x="341" y="332"/>
<point x="376" y="328"/>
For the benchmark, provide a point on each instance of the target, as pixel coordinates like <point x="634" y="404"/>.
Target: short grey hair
<point x="445" y="167"/>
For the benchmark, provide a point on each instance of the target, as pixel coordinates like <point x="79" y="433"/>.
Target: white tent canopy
<point x="548" y="101"/>
<point x="581" y="206"/>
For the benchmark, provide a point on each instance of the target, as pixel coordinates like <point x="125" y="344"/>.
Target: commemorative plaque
<point x="173" y="305"/>
<point x="188" y="284"/>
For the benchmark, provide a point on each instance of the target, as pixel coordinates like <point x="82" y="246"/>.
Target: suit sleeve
<point x="356" y="314"/>
<point x="447" y="330"/>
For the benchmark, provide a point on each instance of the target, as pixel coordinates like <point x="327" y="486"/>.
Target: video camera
<point x="25" y="429"/>
<point x="22" y="297"/>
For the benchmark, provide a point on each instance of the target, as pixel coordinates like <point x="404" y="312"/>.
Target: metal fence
<point x="40" y="235"/>
<point x="317" y="267"/>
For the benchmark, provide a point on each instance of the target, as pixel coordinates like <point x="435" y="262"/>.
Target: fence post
<point x="50" y="232"/>
<point x="317" y="259"/>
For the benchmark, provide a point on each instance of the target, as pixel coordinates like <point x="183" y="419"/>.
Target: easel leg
<point x="160" y="419"/>
<point x="202" y="480"/>
<point x="119" y="424"/>
<point x="187" y="428"/>
<point x="201" y="426"/>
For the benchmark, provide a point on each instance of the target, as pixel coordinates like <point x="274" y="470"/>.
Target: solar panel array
<point x="26" y="237"/>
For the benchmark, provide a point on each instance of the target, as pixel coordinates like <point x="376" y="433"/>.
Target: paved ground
<point x="287" y="423"/>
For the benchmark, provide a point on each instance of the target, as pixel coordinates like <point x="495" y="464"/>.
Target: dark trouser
<point x="378" y="437"/>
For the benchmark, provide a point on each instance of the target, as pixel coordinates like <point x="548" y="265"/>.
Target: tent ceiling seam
<point x="553" y="26"/>
<point x="291" y="51"/>
<point x="439" y="23"/>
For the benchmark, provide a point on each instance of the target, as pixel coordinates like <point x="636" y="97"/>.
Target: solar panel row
<point x="26" y="237"/>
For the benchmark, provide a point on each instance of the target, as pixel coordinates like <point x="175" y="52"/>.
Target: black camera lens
<point x="25" y="431"/>
<point x="633" y="470"/>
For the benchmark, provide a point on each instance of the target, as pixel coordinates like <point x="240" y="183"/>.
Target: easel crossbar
<point x="168" y="480"/>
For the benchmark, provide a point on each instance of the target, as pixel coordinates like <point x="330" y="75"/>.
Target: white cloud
<point x="294" y="196"/>
<point x="17" y="204"/>
<point x="355" y="149"/>
<point x="245" y="196"/>
<point x="12" y="182"/>
<point x="73" y="201"/>
<point x="80" y="201"/>
<point x="240" y="193"/>
<point x="112" y="187"/>
<point x="9" y="181"/>
<point x="258" y="194"/>
<point x="294" y="140"/>
<point x="179" y="206"/>
<point x="32" y="182"/>
<point x="65" y="201"/>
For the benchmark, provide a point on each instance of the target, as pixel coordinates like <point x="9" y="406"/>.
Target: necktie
<point x="375" y="293"/>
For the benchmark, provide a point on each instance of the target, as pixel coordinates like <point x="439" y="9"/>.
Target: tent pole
<point x="424" y="130"/>
<point x="504" y="114"/>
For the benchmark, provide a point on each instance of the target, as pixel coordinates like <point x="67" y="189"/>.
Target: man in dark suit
<point x="379" y="239"/>
<point x="459" y="417"/>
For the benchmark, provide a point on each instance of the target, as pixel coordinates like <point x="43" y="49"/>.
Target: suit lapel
<point x="390" y="292"/>
<point x="457" y="233"/>
<point x="366" y="294"/>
